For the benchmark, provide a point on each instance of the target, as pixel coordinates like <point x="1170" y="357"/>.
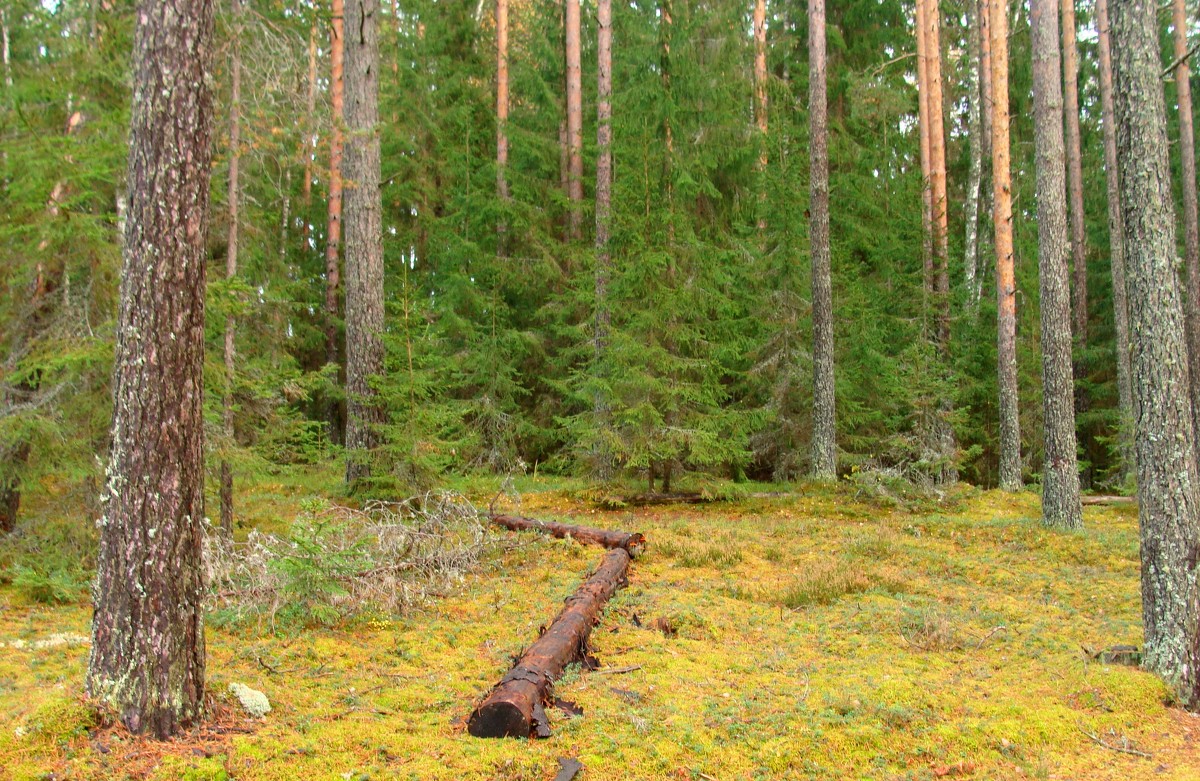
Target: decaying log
<point x="630" y="541"/>
<point x="656" y="498"/>
<point x="515" y="707"/>
<point x="1091" y="500"/>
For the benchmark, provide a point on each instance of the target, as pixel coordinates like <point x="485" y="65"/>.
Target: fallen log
<point x="647" y="499"/>
<point x="515" y="707"/>
<point x="630" y="541"/>
<point x="1091" y="500"/>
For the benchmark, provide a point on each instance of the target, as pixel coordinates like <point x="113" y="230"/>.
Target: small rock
<point x="253" y="701"/>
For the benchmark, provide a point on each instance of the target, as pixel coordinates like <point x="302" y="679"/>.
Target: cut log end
<point x="501" y="718"/>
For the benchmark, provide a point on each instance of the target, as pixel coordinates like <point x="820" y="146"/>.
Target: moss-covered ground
<point x="808" y="636"/>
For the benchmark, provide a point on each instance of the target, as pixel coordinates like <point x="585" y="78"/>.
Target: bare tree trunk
<point x="231" y="261"/>
<point x="1168" y="503"/>
<point x="824" y="437"/>
<point x="760" y="101"/>
<point x="1006" y="284"/>
<point x="502" y="119"/>
<point x="285" y="215"/>
<point x="310" y="138"/>
<point x="6" y="50"/>
<point x="985" y="75"/>
<point x="668" y="133"/>
<point x="923" y="114"/>
<point x="937" y="173"/>
<point x="1191" y="231"/>
<point x="574" y="121"/>
<point x="1116" y="229"/>
<point x="603" y="173"/>
<point x="1074" y="172"/>
<point x="333" y="237"/>
<point x="147" y="658"/>
<point x="364" y="240"/>
<point x="1061" y="507"/>
<point x="975" y="168"/>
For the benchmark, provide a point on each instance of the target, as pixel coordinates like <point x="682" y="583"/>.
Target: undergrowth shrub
<point x="337" y="563"/>
<point x="50" y="561"/>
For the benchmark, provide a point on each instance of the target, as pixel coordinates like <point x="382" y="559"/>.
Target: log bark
<point x="514" y="708"/>
<point x="630" y="541"/>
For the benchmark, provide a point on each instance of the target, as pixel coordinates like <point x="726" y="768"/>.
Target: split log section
<point x="515" y="707"/>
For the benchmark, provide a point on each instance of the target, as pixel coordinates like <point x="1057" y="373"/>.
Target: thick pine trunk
<point x="923" y="115"/>
<point x="333" y="231"/>
<point x="574" y="120"/>
<point x="231" y="260"/>
<point x="824" y="437"/>
<point x="1116" y="230"/>
<point x="364" y="238"/>
<point x="1164" y="436"/>
<point x="147" y="658"/>
<point x="502" y="120"/>
<point x="1070" y="64"/>
<point x="937" y="178"/>
<point x="1006" y="283"/>
<point x="1191" y="231"/>
<point x="1061" y="507"/>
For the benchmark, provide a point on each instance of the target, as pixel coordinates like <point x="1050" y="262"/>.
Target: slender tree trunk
<point x="923" y="115"/>
<point x="1061" y="507"/>
<point x="285" y="215"/>
<point x="760" y="101"/>
<point x="310" y="138"/>
<point x="1074" y="172"/>
<point x="668" y="133"/>
<point x="147" y="658"/>
<point x="564" y="160"/>
<point x="502" y="119"/>
<point x="333" y="230"/>
<point x="1191" y="231"/>
<point x="5" y="50"/>
<point x="1168" y="503"/>
<point x="1116" y="229"/>
<point x="1006" y="283"/>
<point x="364" y="239"/>
<point x="574" y="121"/>
<point x="231" y="261"/>
<point x="603" y="173"/>
<point x="975" y="167"/>
<point x="987" y="110"/>
<point x="824" y="437"/>
<point x="937" y="173"/>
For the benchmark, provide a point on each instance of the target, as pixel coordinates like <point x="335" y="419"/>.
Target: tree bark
<point x="603" y="174"/>
<point x="985" y="76"/>
<point x="630" y="541"/>
<point x="502" y="120"/>
<point x="310" y="139"/>
<point x="231" y="260"/>
<point x="1061" y="507"/>
<point x="574" y="121"/>
<point x="937" y="174"/>
<point x="333" y="236"/>
<point x="147" y="659"/>
<point x="975" y="166"/>
<point x="760" y="101"/>
<point x="1006" y="284"/>
<point x="514" y="708"/>
<point x="1116" y="229"/>
<point x="1191" y="231"/>
<point x="364" y="239"/>
<point x="1164" y="435"/>
<point x="1070" y="65"/>
<point x="923" y="115"/>
<point x="824" y="437"/>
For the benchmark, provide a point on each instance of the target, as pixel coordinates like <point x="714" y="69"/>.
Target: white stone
<point x="253" y="701"/>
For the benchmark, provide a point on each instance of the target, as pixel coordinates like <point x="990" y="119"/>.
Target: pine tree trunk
<point x="310" y="138"/>
<point x="147" y="658"/>
<point x="502" y="120"/>
<point x="1061" y="507"/>
<point x="603" y="173"/>
<point x="333" y="234"/>
<point x="1191" y="231"/>
<point x="987" y="110"/>
<point x="666" y="24"/>
<point x="1164" y="435"/>
<point x="760" y="101"/>
<point x="975" y="166"/>
<point x="1006" y="284"/>
<point x="1074" y="173"/>
<point x="923" y="115"/>
<point x="574" y="121"/>
<point x="10" y="485"/>
<point x="824" y="437"/>
<point x="231" y="261"/>
<point x="937" y="174"/>
<point x="364" y="239"/>
<point x="1116" y="229"/>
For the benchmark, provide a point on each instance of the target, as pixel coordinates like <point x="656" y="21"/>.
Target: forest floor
<point x="810" y="636"/>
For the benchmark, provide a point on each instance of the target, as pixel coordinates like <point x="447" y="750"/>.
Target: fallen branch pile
<point x="516" y="706"/>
